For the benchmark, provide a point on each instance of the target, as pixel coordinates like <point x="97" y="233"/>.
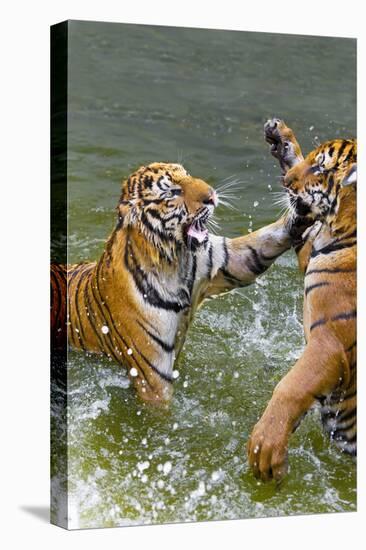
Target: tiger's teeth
<point x="199" y="234"/>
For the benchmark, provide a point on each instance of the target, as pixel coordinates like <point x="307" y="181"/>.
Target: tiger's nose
<point x="212" y="199"/>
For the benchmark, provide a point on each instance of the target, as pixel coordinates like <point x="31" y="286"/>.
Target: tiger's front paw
<point x="272" y="132"/>
<point x="284" y="146"/>
<point x="267" y="450"/>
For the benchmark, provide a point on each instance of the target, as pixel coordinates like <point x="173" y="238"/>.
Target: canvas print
<point x="203" y="274"/>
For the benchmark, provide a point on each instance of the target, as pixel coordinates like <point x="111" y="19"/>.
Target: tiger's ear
<point x="351" y="176"/>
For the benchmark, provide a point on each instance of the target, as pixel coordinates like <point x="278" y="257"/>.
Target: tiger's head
<point x="315" y="185"/>
<point x="167" y="205"/>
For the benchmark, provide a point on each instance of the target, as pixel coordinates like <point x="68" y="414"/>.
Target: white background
<point x="24" y="218"/>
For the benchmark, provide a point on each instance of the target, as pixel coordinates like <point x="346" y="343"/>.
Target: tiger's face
<point x="167" y="204"/>
<point x="314" y="184"/>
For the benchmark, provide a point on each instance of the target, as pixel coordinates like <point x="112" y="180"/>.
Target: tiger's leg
<point x="242" y="259"/>
<point x="284" y="145"/>
<point x="316" y="374"/>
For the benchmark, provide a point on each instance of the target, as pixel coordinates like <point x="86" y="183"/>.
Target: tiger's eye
<point x="173" y="193"/>
<point x="320" y="158"/>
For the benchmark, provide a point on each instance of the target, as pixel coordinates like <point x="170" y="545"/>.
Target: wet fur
<point x="136" y="303"/>
<point x="326" y="371"/>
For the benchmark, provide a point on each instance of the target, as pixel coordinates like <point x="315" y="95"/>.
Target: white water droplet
<point x="175" y="425"/>
<point x="255" y="204"/>
<point x="215" y="476"/>
<point x="141" y="466"/>
<point x="133" y="372"/>
<point x="129" y="351"/>
<point x="160" y="483"/>
<point x="175" y="374"/>
<point x="167" y="467"/>
<point x="105" y="329"/>
<point x="236" y="374"/>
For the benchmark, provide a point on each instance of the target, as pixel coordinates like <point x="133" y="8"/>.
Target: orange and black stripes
<point x="321" y="187"/>
<point x="330" y="284"/>
<point x="105" y="298"/>
<point x="136" y="303"/>
<point x="58" y="306"/>
<point x="91" y="320"/>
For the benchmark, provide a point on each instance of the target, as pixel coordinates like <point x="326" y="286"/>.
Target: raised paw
<point x="267" y="450"/>
<point x="284" y="145"/>
<point x="272" y="131"/>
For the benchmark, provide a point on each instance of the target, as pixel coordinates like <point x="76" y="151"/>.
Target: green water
<point x="139" y="94"/>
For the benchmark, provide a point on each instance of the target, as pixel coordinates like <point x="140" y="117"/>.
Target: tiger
<point x="321" y="187"/>
<point x="58" y="316"/>
<point x="136" y="303"/>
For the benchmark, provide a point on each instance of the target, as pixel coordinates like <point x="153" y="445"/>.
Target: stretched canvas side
<point x="59" y="463"/>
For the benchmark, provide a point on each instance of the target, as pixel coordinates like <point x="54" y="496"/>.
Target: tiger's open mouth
<point x="197" y="231"/>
